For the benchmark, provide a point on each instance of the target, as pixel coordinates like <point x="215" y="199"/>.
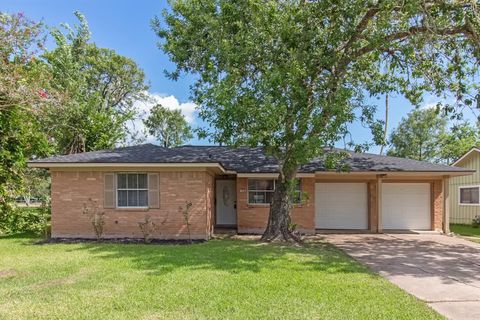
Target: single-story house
<point x="465" y="190"/>
<point x="233" y="187"/>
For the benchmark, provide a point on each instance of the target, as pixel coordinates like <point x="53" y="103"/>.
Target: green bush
<point x="26" y="219"/>
<point x="476" y="222"/>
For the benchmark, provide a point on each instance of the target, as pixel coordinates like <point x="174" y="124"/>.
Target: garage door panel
<point x="341" y="206"/>
<point x="406" y="206"/>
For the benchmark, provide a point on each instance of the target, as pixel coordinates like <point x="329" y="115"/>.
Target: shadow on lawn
<point x="232" y="256"/>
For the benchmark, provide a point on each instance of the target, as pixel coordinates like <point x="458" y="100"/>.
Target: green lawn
<point x="219" y="279"/>
<point x="466" y="230"/>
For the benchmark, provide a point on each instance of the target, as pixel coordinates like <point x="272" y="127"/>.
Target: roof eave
<point x="48" y="165"/>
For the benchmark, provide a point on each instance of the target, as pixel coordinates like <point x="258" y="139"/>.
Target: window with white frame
<point x="469" y="195"/>
<point x="132" y="190"/>
<point x="260" y="191"/>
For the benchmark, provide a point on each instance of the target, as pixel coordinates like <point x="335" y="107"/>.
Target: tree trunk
<point x="279" y="226"/>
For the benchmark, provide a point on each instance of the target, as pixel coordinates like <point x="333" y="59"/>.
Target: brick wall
<point x="437" y="205"/>
<point x="71" y="189"/>
<point x="254" y="218"/>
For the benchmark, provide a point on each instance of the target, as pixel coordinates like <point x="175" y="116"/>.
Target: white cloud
<point x="143" y="108"/>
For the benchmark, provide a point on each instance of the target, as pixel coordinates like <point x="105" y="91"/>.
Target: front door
<point x="226" y="202"/>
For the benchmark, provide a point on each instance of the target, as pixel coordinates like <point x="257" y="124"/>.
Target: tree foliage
<point x="169" y="127"/>
<point x="100" y="87"/>
<point x="290" y="75"/>
<point x="424" y="135"/>
<point x="455" y="143"/>
<point x="23" y="100"/>
<point x="76" y="97"/>
<point x="418" y="136"/>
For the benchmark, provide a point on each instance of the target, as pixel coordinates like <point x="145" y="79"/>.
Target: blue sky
<point x="125" y="27"/>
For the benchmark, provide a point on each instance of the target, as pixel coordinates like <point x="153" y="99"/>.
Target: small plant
<point x="148" y="227"/>
<point x="186" y="216"/>
<point x="476" y="221"/>
<point x="97" y="217"/>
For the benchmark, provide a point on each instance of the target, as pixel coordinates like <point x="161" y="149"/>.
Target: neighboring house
<point x="233" y="188"/>
<point x="465" y="190"/>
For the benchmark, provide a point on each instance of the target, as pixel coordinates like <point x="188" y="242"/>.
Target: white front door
<point x="406" y="206"/>
<point x="341" y="206"/>
<point x="226" y="202"/>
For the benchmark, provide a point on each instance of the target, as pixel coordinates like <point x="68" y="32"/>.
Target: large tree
<point x="457" y="141"/>
<point x="24" y="97"/>
<point x="419" y="136"/>
<point x="425" y="134"/>
<point x="100" y="86"/>
<point x="169" y="127"/>
<point x="290" y="75"/>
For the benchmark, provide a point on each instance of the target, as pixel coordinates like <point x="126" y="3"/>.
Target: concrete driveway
<point x="440" y="270"/>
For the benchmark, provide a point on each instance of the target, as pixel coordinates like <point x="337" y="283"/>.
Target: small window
<point x="297" y="195"/>
<point x="132" y="190"/>
<point x="469" y="195"/>
<point x="260" y="191"/>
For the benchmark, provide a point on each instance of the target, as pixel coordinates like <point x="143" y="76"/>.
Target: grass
<point x="219" y="279"/>
<point x="466" y="230"/>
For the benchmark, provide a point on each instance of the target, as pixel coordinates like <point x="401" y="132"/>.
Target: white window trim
<point x="460" y="193"/>
<point x="127" y="189"/>
<point x="270" y="191"/>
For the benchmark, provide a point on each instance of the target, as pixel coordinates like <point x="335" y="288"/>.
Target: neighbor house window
<point x="260" y="191"/>
<point x="469" y="195"/>
<point x="132" y="190"/>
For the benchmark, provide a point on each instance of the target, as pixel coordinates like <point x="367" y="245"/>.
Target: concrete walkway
<point x="440" y="270"/>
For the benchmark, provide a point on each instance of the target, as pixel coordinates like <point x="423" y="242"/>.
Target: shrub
<point x="26" y="220"/>
<point x="186" y="216"/>
<point x="148" y="227"/>
<point x="476" y="221"/>
<point x="97" y="217"/>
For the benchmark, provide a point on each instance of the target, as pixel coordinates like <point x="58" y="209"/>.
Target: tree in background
<point x="458" y="141"/>
<point x="100" y="88"/>
<point x="418" y="136"/>
<point x="290" y="75"/>
<point x="169" y="127"/>
<point x="423" y="135"/>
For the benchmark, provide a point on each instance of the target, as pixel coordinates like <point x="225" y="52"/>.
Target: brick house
<point x="233" y="187"/>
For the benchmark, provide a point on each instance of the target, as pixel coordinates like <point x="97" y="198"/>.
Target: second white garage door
<point x="406" y="206"/>
<point x="341" y="206"/>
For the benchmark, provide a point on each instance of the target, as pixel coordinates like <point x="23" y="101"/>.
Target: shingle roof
<point x="242" y="160"/>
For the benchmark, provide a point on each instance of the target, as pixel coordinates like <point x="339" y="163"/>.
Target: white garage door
<point x="341" y="206"/>
<point x="406" y="206"/>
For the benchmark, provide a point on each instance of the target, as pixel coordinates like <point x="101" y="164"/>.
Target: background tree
<point x="290" y="75"/>
<point x="169" y="127"/>
<point x="419" y="136"/>
<point x="456" y="142"/>
<point x="100" y="87"/>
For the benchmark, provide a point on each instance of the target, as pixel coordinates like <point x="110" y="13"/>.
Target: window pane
<point x="469" y="195"/>
<point x="121" y="181"/>
<point x="142" y="181"/>
<point x="257" y="184"/>
<point x="256" y="197"/>
<point x="122" y="198"/>
<point x="297" y="196"/>
<point x="474" y="195"/>
<point x="143" y="198"/>
<point x="268" y="197"/>
<point x="132" y="198"/>
<point x="132" y="181"/>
